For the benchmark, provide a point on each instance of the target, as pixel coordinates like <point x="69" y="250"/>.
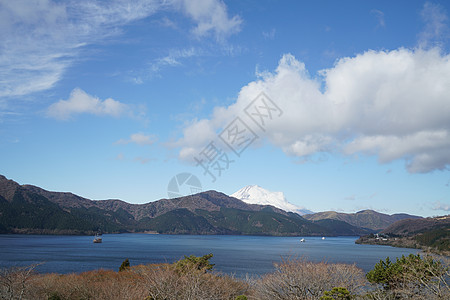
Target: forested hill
<point x="368" y="219"/>
<point x="427" y="233"/>
<point x="30" y="209"/>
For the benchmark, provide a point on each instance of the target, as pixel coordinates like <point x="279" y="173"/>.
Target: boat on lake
<point x="98" y="238"/>
<point x="302" y="240"/>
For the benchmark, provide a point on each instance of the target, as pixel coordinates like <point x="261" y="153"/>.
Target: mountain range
<point x="30" y="209"/>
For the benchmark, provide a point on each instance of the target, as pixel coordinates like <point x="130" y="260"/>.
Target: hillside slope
<point x="432" y="234"/>
<point x="368" y="219"/>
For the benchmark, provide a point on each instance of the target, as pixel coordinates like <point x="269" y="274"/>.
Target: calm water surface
<point x="240" y="255"/>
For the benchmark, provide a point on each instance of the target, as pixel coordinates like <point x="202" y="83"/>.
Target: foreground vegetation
<point x="412" y="277"/>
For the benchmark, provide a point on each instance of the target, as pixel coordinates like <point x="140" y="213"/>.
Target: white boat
<point x="302" y="240"/>
<point x="97" y="238"/>
<point x="323" y="238"/>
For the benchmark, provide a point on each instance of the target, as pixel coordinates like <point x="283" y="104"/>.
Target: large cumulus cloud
<point x="392" y="104"/>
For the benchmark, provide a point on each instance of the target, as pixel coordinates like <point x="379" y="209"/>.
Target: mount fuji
<point x="254" y="194"/>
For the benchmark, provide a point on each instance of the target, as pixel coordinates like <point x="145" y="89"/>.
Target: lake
<point x="240" y="255"/>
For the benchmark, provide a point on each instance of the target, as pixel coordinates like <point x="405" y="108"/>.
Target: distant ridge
<point x="368" y="219"/>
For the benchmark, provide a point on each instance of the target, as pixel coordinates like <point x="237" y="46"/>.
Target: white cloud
<point x="391" y="104"/>
<point x="211" y="17"/>
<point x="41" y="39"/>
<point x="139" y="139"/>
<point x="80" y="102"/>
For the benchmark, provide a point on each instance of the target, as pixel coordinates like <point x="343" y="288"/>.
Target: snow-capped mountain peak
<point x="254" y="194"/>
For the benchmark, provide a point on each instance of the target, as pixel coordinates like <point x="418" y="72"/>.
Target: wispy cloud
<point x="120" y="156"/>
<point x="379" y="15"/>
<point x="436" y="25"/>
<point x="140" y="139"/>
<point x="173" y="59"/>
<point x="80" y="102"/>
<point x="269" y="35"/>
<point x="166" y="22"/>
<point x="441" y="206"/>
<point x="211" y="18"/>
<point x="154" y="69"/>
<point x="143" y="160"/>
<point x="181" y="57"/>
<point x="41" y="39"/>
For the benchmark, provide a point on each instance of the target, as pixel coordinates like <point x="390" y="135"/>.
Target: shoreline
<point x="401" y="242"/>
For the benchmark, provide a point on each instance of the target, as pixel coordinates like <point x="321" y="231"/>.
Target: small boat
<point x="302" y="240"/>
<point x="323" y="238"/>
<point x="97" y="238"/>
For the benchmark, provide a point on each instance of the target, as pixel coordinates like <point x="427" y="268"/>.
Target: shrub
<point x="337" y="293"/>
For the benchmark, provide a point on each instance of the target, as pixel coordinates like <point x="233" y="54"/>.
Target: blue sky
<point x="111" y="99"/>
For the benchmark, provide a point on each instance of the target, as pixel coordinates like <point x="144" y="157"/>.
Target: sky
<point x="340" y="105"/>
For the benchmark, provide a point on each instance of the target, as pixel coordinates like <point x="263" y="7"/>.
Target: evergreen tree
<point x="125" y="265"/>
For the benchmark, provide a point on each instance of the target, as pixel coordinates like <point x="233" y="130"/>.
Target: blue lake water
<point x="240" y="255"/>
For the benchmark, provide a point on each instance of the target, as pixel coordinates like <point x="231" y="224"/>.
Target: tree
<point x="412" y="276"/>
<point x="125" y="265"/>
<point x="384" y="273"/>
<point x="193" y="262"/>
<point x="15" y="282"/>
